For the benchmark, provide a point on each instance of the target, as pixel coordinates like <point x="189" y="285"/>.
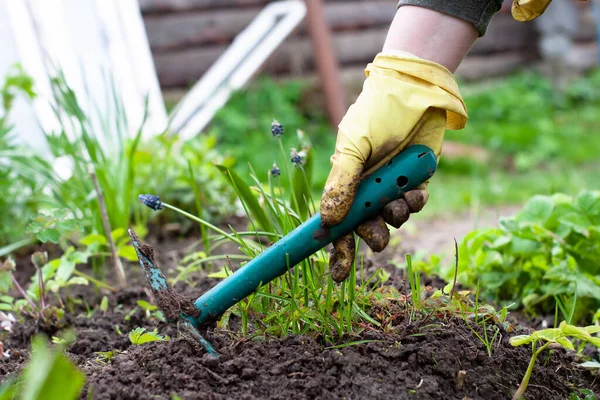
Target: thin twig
<point x="42" y="288"/>
<point x="23" y="293"/>
<point x="455" y="269"/>
<point x="108" y="231"/>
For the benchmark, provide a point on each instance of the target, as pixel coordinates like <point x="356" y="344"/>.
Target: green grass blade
<point x="247" y="196"/>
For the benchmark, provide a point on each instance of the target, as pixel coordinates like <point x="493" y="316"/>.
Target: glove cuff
<point x="440" y="79"/>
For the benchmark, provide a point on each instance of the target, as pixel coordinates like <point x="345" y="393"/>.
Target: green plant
<point x="105" y="357"/>
<point x="305" y="300"/>
<point x="240" y="125"/>
<point x="563" y="336"/>
<point x="140" y="336"/>
<point x="22" y="196"/>
<point x="49" y="375"/>
<point x="586" y="393"/>
<point x="546" y="252"/>
<point x="98" y="145"/>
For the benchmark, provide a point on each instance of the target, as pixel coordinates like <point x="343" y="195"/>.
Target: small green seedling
<point x="583" y="394"/>
<point x="151" y="310"/>
<point x="105" y="357"/>
<point x="140" y="336"/>
<point x="562" y="335"/>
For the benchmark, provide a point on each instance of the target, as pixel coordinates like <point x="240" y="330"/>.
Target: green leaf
<point x="128" y="253"/>
<point x="590" y="365"/>
<point x="34" y="227"/>
<point x="247" y="197"/>
<point x="60" y="213"/>
<point x="50" y="375"/>
<point x="140" y="336"/>
<point x="146" y="306"/>
<point x="565" y="342"/>
<point x="49" y="235"/>
<point x="589" y="202"/>
<point x="66" y="226"/>
<point x="77" y="280"/>
<point x="65" y="269"/>
<point x="93" y="238"/>
<point x="537" y="210"/>
<point x="8" y="390"/>
<point x="520" y="340"/>
<point x="118" y="234"/>
<point x="6" y="307"/>
<point x="221" y="274"/>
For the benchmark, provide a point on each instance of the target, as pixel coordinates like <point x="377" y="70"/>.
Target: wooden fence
<point x="187" y="36"/>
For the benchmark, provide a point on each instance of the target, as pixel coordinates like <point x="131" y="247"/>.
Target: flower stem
<point x="289" y="174"/>
<point x="23" y="292"/>
<point x="523" y="386"/>
<point x="117" y="265"/>
<point x="203" y="222"/>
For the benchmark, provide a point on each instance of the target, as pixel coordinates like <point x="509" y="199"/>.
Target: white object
<point x="236" y="66"/>
<point x="92" y="42"/>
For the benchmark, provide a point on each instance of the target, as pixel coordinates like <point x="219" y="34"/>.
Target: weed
<point x="105" y="357"/>
<point x="546" y="253"/>
<point x="140" y="336"/>
<point x="562" y="336"/>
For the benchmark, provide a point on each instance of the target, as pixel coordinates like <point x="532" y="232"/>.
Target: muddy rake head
<point x="402" y="173"/>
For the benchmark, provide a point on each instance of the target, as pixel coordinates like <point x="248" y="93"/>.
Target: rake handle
<point x="412" y="167"/>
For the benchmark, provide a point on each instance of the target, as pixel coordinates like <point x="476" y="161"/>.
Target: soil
<point x="435" y="359"/>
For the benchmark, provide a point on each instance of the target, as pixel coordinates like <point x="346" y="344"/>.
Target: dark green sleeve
<point x="477" y="12"/>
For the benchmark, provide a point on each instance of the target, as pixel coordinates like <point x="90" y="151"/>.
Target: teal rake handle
<point x="405" y="172"/>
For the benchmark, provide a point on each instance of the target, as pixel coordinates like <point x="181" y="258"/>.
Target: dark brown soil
<point x="416" y="360"/>
<point x="411" y="362"/>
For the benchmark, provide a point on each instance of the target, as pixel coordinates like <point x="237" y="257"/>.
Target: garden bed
<point x="424" y="359"/>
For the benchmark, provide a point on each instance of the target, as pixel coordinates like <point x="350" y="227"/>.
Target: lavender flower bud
<point x="275" y="171"/>
<point x="295" y="158"/>
<point x="151" y="201"/>
<point x="276" y="128"/>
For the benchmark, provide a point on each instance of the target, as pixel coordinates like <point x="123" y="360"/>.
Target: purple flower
<point x="276" y="128"/>
<point x="275" y="171"/>
<point x="151" y="201"/>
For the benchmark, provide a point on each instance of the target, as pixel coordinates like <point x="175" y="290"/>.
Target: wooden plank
<point x="504" y="34"/>
<point x="161" y="6"/>
<point x="488" y="66"/>
<point x="217" y="27"/>
<point x="179" y="68"/>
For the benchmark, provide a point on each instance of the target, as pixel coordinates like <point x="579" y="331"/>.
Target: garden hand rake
<point x="412" y="167"/>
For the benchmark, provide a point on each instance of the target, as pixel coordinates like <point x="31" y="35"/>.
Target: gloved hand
<point x="405" y="100"/>
<point x="527" y="10"/>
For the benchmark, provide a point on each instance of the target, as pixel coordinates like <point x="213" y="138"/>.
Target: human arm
<point x="410" y="96"/>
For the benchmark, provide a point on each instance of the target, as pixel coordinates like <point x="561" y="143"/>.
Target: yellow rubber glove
<point x="527" y="10"/>
<point x="405" y="100"/>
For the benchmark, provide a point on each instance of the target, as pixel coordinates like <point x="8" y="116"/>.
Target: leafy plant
<point x="140" y="336"/>
<point x="563" y="336"/>
<point x="50" y="226"/>
<point x="305" y="300"/>
<point x="49" y="375"/>
<point x="547" y="251"/>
